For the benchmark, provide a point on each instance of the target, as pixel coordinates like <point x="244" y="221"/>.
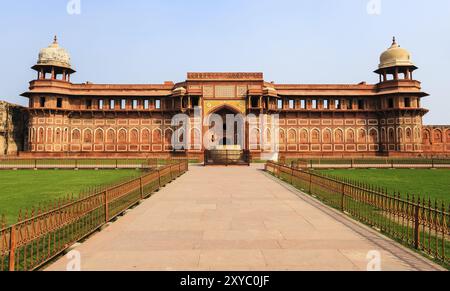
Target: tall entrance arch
<point x="227" y="138"/>
<point x="227" y="129"/>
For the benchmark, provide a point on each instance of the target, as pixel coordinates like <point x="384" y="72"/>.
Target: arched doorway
<point x="227" y="136"/>
<point x="232" y="133"/>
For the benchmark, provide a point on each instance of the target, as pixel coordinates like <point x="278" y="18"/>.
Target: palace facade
<point x="383" y="119"/>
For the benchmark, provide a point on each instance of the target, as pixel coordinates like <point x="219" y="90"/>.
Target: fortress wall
<point x="13" y="129"/>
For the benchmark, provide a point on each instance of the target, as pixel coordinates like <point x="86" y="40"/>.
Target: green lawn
<point x="28" y="188"/>
<point x="427" y="183"/>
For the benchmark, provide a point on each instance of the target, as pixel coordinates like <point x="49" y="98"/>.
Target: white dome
<point x="54" y="55"/>
<point x="395" y="56"/>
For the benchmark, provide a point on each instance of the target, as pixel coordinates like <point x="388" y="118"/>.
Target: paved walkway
<point x="237" y="218"/>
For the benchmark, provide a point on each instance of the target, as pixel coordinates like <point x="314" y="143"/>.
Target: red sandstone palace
<point x="383" y="119"/>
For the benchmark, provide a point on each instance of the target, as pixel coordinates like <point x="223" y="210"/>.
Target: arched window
<point x="327" y="136"/>
<point x="304" y="136"/>
<point x="400" y="134"/>
<point x="157" y="136"/>
<point x="362" y="135"/>
<point x="437" y="136"/>
<point x="181" y="136"/>
<point x="122" y="136"/>
<point x="315" y="136"/>
<point x="49" y="135"/>
<point x="408" y="135"/>
<point x="338" y="136"/>
<point x="33" y="134"/>
<point x="134" y="136"/>
<point x="292" y="136"/>
<point x="168" y="137"/>
<point x="282" y="136"/>
<point x="111" y="136"/>
<point x="255" y="136"/>
<point x="58" y="136"/>
<point x="66" y="135"/>
<point x="391" y="135"/>
<point x="87" y="136"/>
<point x="427" y="137"/>
<point x="373" y="136"/>
<point x="350" y="136"/>
<point x="76" y="136"/>
<point x="145" y="136"/>
<point x="41" y="137"/>
<point x="268" y="137"/>
<point x="98" y="136"/>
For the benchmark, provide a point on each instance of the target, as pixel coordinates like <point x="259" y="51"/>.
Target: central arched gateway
<point x="227" y="139"/>
<point x="230" y="138"/>
<point x="230" y="133"/>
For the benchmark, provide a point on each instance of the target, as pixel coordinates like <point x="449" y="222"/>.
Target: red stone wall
<point x="299" y="134"/>
<point x="436" y="139"/>
<point x="120" y="133"/>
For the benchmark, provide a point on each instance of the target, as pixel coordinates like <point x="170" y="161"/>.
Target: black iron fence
<point x="415" y="221"/>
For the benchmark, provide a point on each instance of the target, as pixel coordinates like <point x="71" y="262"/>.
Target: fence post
<point x="343" y="197"/>
<point x="106" y="207"/>
<point x="141" y="188"/>
<point x="12" y="248"/>
<point x="292" y="176"/>
<point x="416" y="226"/>
<point x="310" y="183"/>
<point x="159" y="179"/>
<point x="432" y="163"/>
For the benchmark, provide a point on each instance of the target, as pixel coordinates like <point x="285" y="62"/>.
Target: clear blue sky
<point x="291" y="41"/>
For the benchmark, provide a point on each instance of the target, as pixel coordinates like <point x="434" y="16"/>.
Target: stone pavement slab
<point x="237" y="218"/>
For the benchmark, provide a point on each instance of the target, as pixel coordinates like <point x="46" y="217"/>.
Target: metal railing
<point x="227" y="157"/>
<point x="381" y="163"/>
<point x="70" y="163"/>
<point x="44" y="233"/>
<point x="416" y="222"/>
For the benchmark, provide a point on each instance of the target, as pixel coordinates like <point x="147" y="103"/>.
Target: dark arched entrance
<point x="229" y="144"/>
<point x="230" y="135"/>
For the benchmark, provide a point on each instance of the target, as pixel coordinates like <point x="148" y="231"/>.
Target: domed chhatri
<point x="395" y="56"/>
<point x="395" y="64"/>
<point x="54" y="55"/>
<point x="54" y="61"/>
